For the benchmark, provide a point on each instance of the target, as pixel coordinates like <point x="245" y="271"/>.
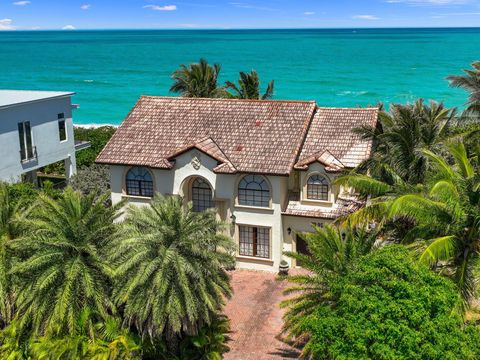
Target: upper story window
<point x="202" y="198"/>
<point x="27" y="150"/>
<point x="139" y="182"/>
<point x="317" y="188"/>
<point x="62" y="129"/>
<point x="253" y="190"/>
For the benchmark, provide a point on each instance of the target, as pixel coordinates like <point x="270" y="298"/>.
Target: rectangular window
<point x="62" y="130"/>
<point x="254" y="241"/>
<point x="26" y="144"/>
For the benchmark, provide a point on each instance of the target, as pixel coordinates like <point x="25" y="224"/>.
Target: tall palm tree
<point x="170" y="273"/>
<point x="62" y="268"/>
<point x="331" y="249"/>
<point x="400" y="137"/>
<point x="447" y="217"/>
<point x="444" y="213"/>
<point x="198" y="80"/>
<point x="471" y="83"/>
<point x="11" y="216"/>
<point x="249" y="87"/>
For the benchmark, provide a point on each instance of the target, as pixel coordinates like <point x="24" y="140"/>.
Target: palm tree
<point x="400" y="137"/>
<point x="444" y="214"/>
<point x="94" y="341"/>
<point x="447" y="217"/>
<point x="471" y="83"/>
<point x="198" y="80"/>
<point x="331" y="249"/>
<point x="249" y="87"/>
<point x="11" y="216"/>
<point x="170" y="269"/>
<point x="62" y="269"/>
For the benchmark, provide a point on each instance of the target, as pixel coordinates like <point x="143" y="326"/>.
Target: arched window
<point x="317" y="188"/>
<point x="139" y="182"/>
<point x="202" y="198"/>
<point x="253" y="190"/>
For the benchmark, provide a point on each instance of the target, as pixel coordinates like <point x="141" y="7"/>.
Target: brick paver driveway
<point x="256" y="319"/>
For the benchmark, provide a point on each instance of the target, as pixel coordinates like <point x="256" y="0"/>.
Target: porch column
<point x="70" y="166"/>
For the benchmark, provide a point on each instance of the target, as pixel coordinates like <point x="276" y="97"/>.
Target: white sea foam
<point x="352" y="93"/>
<point x="93" y="126"/>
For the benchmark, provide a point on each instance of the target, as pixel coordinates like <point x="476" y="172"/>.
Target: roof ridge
<point x="226" y="99"/>
<point x="348" y="108"/>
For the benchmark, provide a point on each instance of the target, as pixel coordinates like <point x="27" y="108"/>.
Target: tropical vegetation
<point x="470" y="81"/>
<point x="400" y="136"/>
<point x="170" y="280"/>
<point x="201" y="80"/>
<point x="332" y="249"/>
<point x="388" y="306"/>
<point x="249" y="87"/>
<point x="78" y="283"/>
<point x="421" y="187"/>
<point x="197" y="80"/>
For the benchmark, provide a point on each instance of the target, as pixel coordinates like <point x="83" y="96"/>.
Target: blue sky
<point x="227" y="14"/>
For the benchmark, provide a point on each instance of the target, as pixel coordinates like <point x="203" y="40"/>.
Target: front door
<point x="302" y="248"/>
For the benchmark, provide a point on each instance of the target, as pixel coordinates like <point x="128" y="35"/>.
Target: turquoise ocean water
<point x="109" y="70"/>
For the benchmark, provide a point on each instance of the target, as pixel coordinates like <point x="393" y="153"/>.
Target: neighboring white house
<point x="35" y="130"/>
<point x="266" y="166"/>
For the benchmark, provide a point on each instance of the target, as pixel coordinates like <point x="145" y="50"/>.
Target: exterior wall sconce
<point x="233" y="218"/>
<point x="289" y="231"/>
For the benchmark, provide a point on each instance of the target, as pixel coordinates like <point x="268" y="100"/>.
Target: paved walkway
<point x="256" y="319"/>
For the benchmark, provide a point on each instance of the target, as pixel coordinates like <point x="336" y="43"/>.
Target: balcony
<point x="81" y="145"/>
<point x="28" y="155"/>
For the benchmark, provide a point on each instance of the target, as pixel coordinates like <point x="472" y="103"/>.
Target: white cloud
<point x="68" y="27"/>
<point x="6" y="24"/>
<point x="85" y="6"/>
<point x="365" y="17"/>
<point x="439" y="16"/>
<point x="21" y="3"/>
<point x="250" y="6"/>
<point x="429" y="2"/>
<point x="161" y="8"/>
<point x="309" y="13"/>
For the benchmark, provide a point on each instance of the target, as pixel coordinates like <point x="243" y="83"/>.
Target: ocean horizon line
<point x="247" y="29"/>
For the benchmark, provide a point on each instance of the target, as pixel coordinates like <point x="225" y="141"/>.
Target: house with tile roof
<point x="267" y="167"/>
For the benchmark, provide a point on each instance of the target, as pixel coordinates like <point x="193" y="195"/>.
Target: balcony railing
<point x="27" y="156"/>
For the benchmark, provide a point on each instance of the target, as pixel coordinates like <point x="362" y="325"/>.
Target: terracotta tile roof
<point x="243" y="135"/>
<point x="343" y="206"/>
<point x="331" y="130"/>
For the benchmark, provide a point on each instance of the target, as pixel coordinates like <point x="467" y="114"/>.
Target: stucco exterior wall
<point x="45" y="136"/>
<point x="224" y="187"/>
<point x="195" y="163"/>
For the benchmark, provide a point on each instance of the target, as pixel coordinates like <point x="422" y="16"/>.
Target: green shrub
<point x="98" y="138"/>
<point x="94" y="178"/>
<point x="389" y="306"/>
<point x="23" y="192"/>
